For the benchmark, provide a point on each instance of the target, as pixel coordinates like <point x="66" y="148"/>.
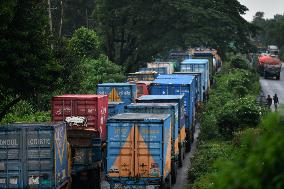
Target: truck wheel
<point x="265" y="75"/>
<point x="278" y="77"/>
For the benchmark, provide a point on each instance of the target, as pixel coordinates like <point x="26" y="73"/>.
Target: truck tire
<point x="278" y="77"/>
<point x="167" y="183"/>
<point x="265" y="75"/>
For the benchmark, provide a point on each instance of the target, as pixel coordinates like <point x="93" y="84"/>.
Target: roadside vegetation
<point x="239" y="145"/>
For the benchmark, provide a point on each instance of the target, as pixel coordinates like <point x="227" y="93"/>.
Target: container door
<point x="39" y="148"/>
<point x="120" y="150"/>
<point x="149" y="152"/>
<point x="11" y="165"/>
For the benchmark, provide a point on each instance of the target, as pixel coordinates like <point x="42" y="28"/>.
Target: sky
<point x="269" y="7"/>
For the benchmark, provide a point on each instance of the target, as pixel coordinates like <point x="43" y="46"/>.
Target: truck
<point x="198" y="65"/>
<point x="118" y="92"/>
<point x="139" y="151"/>
<point x="34" y="156"/>
<point x="273" y="50"/>
<point x="169" y="65"/>
<point x="86" y="117"/>
<point x="115" y="108"/>
<point x="269" y="66"/>
<point x="179" y="99"/>
<point x="178" y="85"/>
<point x="163" y="108"/>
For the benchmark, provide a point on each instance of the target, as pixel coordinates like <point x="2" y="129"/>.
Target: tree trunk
<point x="7" y="107"/>
<point x="61" y="19"/>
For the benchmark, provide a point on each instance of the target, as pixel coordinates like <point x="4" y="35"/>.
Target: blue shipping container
<point x="162" y="108"/>
<point x="115" y="108"/>
<point x="33" y="156"/>
<point x="198" y="83"/>
<point x="118" y="92"/>
<point x="179" y="99"/>
<point x="198" y="65"/>
<point x="138" y="150"/>
<point x="186" y="76"/>
<point x="178" y="86"/>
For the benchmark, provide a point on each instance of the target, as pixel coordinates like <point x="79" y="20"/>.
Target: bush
<point x="24" y="112"/>
<point x="202" y="161"/>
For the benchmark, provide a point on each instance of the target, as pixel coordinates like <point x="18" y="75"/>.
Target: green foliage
<point x="203" y="160"/>
<point x="271" y="31"/>
<point x="238" y="114"/>
<point x="239" y="62"/>
<point x="136" y="31"/>
<point x="23" y="111"/>
<point x="27" y="67"/>
<point x="232" y="103"/>
<point x="85" y="43"/>
<point x="99" y="71"/>
<point x="259" y="162"/>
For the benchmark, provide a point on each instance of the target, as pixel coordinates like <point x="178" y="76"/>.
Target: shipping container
<point x="118" y="92"/>
<point x="200" y="91"/>
<point x="139" y="151"/>
<point x="143" y="88"/>
<point x="159" y="70"/>
<point x="169" y="65"/>
<point x="186" y="76"/>
<point x="115" y="108"/>
<point x="212" y="62"/>
<point x="162" y="108"/>
<point x="142" y="76"/>
<point x="33" y="156"/>
<point x="86" y="148"/>
<point x="179" y="99"/>
<point x="84" y="111"/>
<point x="179" y="86"/>
<point x="198" y="65"/>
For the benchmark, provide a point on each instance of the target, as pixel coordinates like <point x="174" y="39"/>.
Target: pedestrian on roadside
<point x="275" y="101"/>
<point x="269" y="101"/>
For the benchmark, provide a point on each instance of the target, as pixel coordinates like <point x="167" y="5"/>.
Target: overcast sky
<point x="269" y="7"/>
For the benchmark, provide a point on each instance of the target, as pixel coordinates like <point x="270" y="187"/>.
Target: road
<point x="272" y="86"/>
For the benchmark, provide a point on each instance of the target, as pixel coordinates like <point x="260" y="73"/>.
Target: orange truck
<point x="269" y="66"/>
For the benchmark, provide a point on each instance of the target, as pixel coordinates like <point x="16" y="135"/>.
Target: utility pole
<point x="61" y="18"/>
<point x="50" y="20"/>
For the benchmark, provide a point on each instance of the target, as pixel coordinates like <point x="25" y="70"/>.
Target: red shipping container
<point x="93" y="109"/>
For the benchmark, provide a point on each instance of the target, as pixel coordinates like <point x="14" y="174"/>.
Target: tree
<point x="136" y="31"/>
<point x="27" y="67"/>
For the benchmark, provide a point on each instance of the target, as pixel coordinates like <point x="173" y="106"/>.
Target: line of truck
<point x="135" y="134"/>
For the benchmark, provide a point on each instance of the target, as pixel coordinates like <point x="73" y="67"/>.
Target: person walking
<point x="269" y="101"/>
<point x="275" y="101"/>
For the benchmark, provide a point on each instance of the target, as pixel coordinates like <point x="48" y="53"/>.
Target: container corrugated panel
<point x="208" y="56"/>
<point x="86" y="148"/>
<point x="138" y="149"/>
<point x="198" y="65"/>
<point x="118" y="92"/>
<point x="92" y="108"/>
<point x="169" y="65"/>
<point x="115" y="108"/>
<point x="178" y="86"/>
<point x="170" y="99"/>
<point x="160" y="108"/>
<point x="33" y="156"/>
<point x="159" y="70"/>
<point x="186" y="76"/>
<point x="198" y="83"/>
